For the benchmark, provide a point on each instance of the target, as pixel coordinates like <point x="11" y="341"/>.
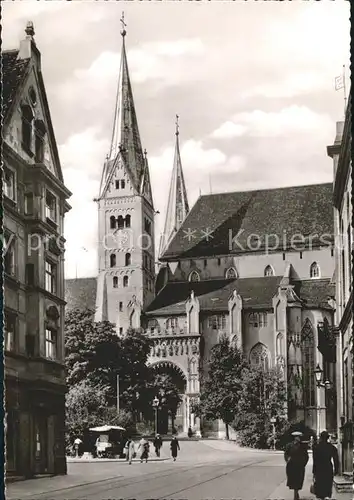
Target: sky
<point x="252" y="83"/>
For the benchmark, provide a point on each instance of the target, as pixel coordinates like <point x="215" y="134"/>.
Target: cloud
<point x="291" y="120"/>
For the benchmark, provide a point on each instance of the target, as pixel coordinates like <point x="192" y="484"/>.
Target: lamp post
<point x="320" y="383"/>
<point x="155" y="405"/>
<point x="273" y="421"/>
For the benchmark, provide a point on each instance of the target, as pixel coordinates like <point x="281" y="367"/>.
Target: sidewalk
<point x="283" y="492"/>
<point x="225" y="445"/>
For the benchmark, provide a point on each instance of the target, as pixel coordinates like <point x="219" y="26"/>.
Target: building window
<point x="122" y="183"/>
<point x="194" y="276"/>
<point x="147" y="226"/>
<point x="259" y="355"/>
<point x="50" y="277"/>
<point x="115" y="282"/>
<point x="258" y="320"/>
<point x="231" y="273"/>
<point x="50" y="344"/>
<point x="39" y="141"/>
<point x="29" y="203"/>
<point x="120" y="306"/>
<point x="30" y="274"/>
<point x="117" y="184"/>
<point x="308" y="361"/>
<point x="27" y="119"/>
<point x="127" y="221"/>
<point x="314" y="270"/>
<point x="112" y="260"/>
<point x="8" y="186"/>
<point x="9" y="253"/>
<point x="125" y="281"/>
<point x="120" y="222"/>
<point x="112" y="222"/>
<point x="10" y="331"/>
<point x="172" y="323"/>
<point x="217" y="322"/>
<point x="268" y="271"/>
<point x="50" y="206"/>
<point x="128" y="259"/>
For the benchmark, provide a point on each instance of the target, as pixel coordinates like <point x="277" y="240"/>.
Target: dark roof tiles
<point x="13" y="71"/>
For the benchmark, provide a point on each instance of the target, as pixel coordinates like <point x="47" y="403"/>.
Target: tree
<point x="168" y="393"/>
<point x="223" y="385"/>
<point x="263" y="396"/>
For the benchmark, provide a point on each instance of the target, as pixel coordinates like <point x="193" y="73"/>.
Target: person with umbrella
<point x="296" y="458"/>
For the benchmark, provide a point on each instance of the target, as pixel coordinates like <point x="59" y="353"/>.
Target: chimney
<point x="334" y="149"/>
<point x="28" y="49"/>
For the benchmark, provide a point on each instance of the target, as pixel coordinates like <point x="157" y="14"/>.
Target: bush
<point x="145" y="429"/>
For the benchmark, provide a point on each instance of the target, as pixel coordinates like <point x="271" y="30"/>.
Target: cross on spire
<point x="177" y="125"/>
<point x="123" y="32"/>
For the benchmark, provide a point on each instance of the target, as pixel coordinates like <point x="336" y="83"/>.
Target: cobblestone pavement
<point x="203" y="470"/>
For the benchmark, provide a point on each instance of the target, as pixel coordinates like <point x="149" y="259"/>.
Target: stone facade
<point x="343" y="214"/>
<point x="34" y="198"/>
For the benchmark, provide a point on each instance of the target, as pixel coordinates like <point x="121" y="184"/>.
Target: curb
<point x="105" y="460"/>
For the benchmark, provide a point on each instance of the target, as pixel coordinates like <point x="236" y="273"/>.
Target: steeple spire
<point x="125" y="144"/>
<point x="177" y="205"/>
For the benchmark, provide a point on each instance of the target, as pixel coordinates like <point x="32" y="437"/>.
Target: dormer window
<point x="27" y="119"/>
<point x="50" y="206"/>
<point x="122" y="183"/>
<point x="117" y="184"/>
<point x="194" y="276"/>
<point x="8" y="186"/>
<point x="231" y="273"/>
<point x="268" y="271"/>
<point x="314" y="270"/>
<point x="39" y="132"/>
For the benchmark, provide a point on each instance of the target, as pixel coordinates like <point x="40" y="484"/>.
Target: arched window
<point x="314" y="270"/>
<point x="27" y="119"/>
<point x="231" y="273"/>
<point x="171" y="323"/>
<point x="308" y="362"/>
<point x="127" y="220"/>
<point x="125" y="281"/>
<point x="113" y="221"/>
<point x="39" y="132"/>
<point x="128" y="259"/>
<point x="120" y="222"/>
<point x="194" y="276"/>
<point x="115" y="282"/>
<point x="280" y="344"/>
<point x="268" y="271"/>
<point x="259" y="355"/>
<point x="153" y="325"/>
<point x="193" y="366"/>
<point x="112" y="259"/>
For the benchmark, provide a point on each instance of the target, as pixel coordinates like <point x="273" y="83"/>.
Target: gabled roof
<point x="315" y="293"/>
<point x="13" y="73"/>
<point x="213" y="295"/>
<point x="305" y="210"/>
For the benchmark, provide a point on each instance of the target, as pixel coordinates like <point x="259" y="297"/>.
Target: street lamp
<point x="155" y="405"/>
<point x="320" y="383"/>
<point x="273" y="421"/>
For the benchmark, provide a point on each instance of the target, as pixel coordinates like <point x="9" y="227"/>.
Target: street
<point x="203" y="470"/>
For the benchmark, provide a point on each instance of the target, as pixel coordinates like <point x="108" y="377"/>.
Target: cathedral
<point x="256" y="266"/>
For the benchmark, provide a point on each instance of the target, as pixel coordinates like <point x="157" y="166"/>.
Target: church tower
<point x="126" y="252"/>
<point x="177" y="205"/>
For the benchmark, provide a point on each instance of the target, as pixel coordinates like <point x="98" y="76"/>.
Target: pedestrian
<point x="129" y="450"/>
<point x="324" y="454"/>
<point x="296" y="458"/>
<point x="144" y="445"/>
<point x="174" y="445"/>
<point x="190" y="432"/>
<point x="157" y="444"/>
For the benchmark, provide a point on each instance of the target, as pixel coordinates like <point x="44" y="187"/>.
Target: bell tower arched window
<point x="128" y="259"/>
<point x="112" y="221"/>
<point x="194" y="276"/>
<point x="268" y="271"/>
<point x="127" y="221"/>
<point x="314" y="270"/>
<point x="125" y="281"/>
<point x="115" y="282"/>
<point x="120" y="222"/>
<point x="112" y="260"/>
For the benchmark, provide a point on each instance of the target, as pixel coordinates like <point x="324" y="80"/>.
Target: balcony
<point x="166" y="332"/>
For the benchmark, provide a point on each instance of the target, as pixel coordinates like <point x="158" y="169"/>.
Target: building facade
<point x="340" y="151"/>
<point x="256" y="266"/>
<point x="35" y="203"/>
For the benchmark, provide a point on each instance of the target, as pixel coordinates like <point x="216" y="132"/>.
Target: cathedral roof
<point x="218" y="218"/>
<point x="315" y="293"/>
<point x="213" y="295"/>
<point x="13" y="72"/>
<point x="81" y="293"/>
